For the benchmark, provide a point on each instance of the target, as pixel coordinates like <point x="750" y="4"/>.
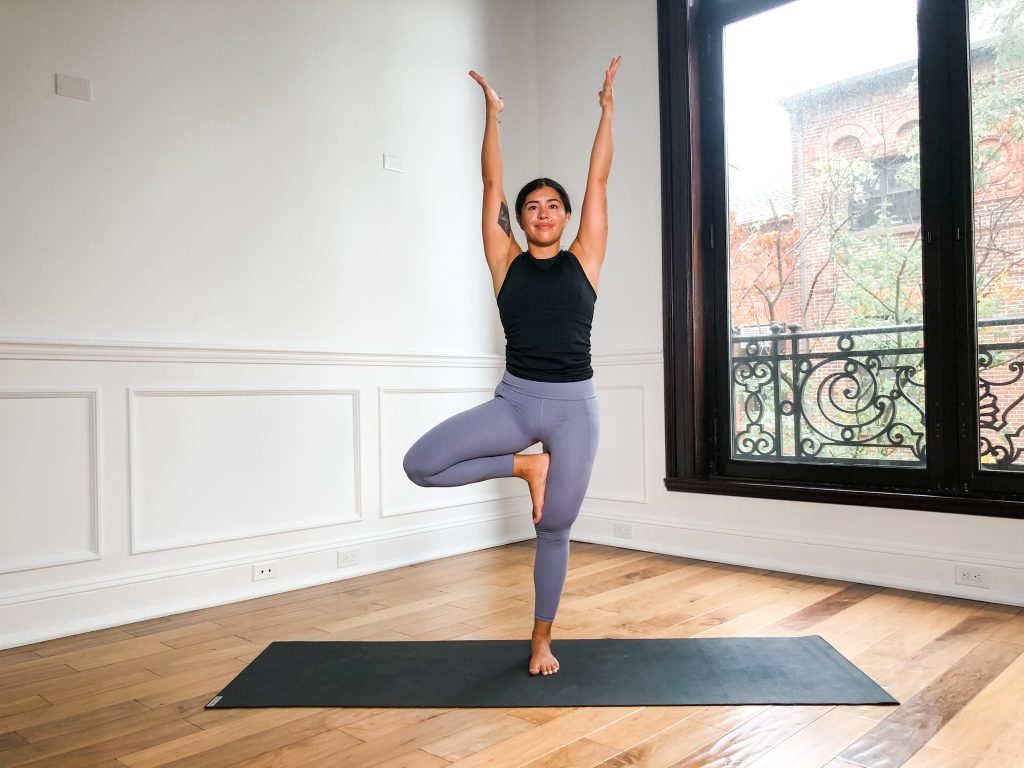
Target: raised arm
<point x="499" y="242"/>
<point x="592" y="236"/>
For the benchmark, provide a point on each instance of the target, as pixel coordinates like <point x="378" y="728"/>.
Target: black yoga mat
<point x="592" y="673"/>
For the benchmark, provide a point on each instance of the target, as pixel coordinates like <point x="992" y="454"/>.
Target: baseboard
<point x="103" y="592"/>
<point x="658" y="537"/>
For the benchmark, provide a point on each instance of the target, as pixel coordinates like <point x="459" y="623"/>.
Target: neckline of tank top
<point x="544" y="263"/>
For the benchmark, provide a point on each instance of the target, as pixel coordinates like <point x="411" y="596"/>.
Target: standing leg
<point x="570" y="432"/>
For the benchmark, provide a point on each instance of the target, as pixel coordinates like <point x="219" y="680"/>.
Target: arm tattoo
<point x="503" y="221"/>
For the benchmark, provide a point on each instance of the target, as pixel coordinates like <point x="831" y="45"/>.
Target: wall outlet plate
<point x="348" y="557"/>
<point x="264" y="571"/>
<point x="972" y="575"/>
<point x="622" y="530"/>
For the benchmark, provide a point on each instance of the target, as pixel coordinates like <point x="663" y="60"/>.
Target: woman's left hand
<point x="606" y="96"/>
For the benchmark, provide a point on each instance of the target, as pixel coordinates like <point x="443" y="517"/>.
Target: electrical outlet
<point x="623" y="530"/>
<point x="264" y="571"/>
<point x="348" y="557"/>
<point x="972" y="576"/>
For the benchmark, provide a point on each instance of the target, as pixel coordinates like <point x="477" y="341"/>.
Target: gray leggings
<point x="478" y="444"/>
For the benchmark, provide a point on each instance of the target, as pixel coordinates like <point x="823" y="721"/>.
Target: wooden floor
<point x="134" y="695"/>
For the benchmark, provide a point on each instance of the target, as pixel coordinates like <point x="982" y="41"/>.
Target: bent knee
<point x="414" y="468"/>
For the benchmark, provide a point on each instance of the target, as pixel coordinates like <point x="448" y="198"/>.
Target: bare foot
<point x="533" y="468"/>
<point x="542" y="662"/>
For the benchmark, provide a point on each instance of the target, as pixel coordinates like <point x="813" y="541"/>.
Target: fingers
<point x="609" y="74"/>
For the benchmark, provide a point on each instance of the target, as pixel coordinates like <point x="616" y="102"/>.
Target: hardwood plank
<point x="828" y="606"/>
<point x="832" y="627"/>
<point x="76" y="642"/>
<point x="109" y="653"/>
<point x="630" y="730"/>
<point x="573" y="724"/>
<point x="666" y="746"/>
<point x="975" y="727"/>
<point x="89" y="747"/>
<point x="100" y="753"/>
<point x="16" y="656"/>
<point x="193" y="633"/>
<point x="751" y="622"/>
<point x="199" y="740"/>
<point x="232" y="747"/>
<point x="814" y="745"/>
<point x="33" y="671"/>
<point x="151" y="692"/>
<point x="754" y="737"/>
<point x="387" y="721"/>
<point x="909" y="676"/>
<point x="446" y="632"/>
<point x="315" y="750"/>
<point x="892" y="742"/>
<point x="10" y="741"/>
<point x="92" y="719"/>
<point x="1008" y="749"/>
<point x="581" y="753"/>
<point x="10" y="707"/>
<point x="1012" y="631"/>
<point x="725" y="718"/>
<point x="82" y="684"/>
<point x="928" y="757"/>
<point x="472" y="740"/>
<point x="888" y="625"/>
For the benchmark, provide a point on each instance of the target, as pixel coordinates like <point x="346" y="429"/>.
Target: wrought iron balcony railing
<point x="856" y="395"/>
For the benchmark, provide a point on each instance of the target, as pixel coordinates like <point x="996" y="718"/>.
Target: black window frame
<point x="689" y="40"/>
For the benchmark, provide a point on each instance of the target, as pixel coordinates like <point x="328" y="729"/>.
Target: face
<point x="543" y="217"/>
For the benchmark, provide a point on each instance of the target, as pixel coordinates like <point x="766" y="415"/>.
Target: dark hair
<point x="537" y="184"/>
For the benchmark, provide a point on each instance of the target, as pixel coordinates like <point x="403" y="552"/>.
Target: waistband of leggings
<point x="551" y="390"/>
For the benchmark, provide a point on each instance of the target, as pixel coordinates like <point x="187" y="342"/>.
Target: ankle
<point x="518" y="464"/>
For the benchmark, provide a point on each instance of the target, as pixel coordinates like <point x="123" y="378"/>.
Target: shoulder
<point x="500" y="273"/>
<point x="587" y="260"/>
<point x="591" y="268"/>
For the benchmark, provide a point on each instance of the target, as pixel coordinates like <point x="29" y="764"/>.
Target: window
<point x="844" y="250"/>
<point x="888" y="193"/>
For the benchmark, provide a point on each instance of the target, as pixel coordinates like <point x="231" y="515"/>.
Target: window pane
<point x="821" y="116"/>
<point x="997" y="128"/>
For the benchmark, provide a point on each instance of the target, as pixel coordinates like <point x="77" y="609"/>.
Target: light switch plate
<point x="74" y="87"/>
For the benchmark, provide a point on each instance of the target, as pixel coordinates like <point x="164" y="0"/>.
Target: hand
<point x="606" y="96"/>
<point x="494" y="102"/>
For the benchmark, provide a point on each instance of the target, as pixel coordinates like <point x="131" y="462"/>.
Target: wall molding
<point x="95" y="551"/>
<point x="643" y="499"/>
<point x="118" y="351"/>
<point x="135" y="548"/>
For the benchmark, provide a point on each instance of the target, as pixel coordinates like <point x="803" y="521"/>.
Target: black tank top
<point x="546" y="308"/>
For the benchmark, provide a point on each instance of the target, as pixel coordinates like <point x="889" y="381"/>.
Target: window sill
<point x="964" y="504"/>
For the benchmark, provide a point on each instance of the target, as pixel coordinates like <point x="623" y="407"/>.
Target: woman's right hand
<point x="494" y="103"/>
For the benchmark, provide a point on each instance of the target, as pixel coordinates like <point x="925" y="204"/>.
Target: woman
<point x="546" y="302"/>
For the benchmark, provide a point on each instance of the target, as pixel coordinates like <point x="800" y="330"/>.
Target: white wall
<point x="225" y="186"/>
<point x="222" y="323"/>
